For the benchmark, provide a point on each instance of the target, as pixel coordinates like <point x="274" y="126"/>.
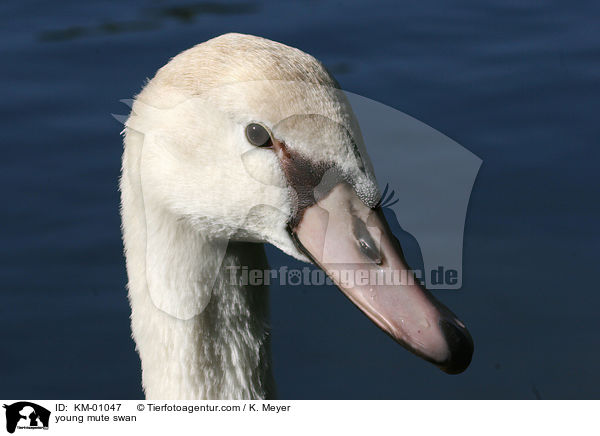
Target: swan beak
<point x="353" y="244"/>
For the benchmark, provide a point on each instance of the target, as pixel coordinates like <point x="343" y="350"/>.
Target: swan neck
<point x="199" y="334"/>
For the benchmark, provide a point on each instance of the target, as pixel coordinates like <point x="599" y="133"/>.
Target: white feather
<point x="191" y="182"/>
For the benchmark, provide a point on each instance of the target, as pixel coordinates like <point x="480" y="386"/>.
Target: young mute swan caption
<point x="237" y="142"/>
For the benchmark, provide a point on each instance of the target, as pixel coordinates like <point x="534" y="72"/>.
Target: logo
<point x="26" y="415"/>
<point x="428" y="181"/>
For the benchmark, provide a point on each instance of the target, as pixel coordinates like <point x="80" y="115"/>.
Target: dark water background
<point x="516" y="82"/>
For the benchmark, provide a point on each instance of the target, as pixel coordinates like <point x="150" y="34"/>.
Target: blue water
<point x="516" y="82"/>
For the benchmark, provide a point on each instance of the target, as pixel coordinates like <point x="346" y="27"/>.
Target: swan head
<point x="248" y="139"/>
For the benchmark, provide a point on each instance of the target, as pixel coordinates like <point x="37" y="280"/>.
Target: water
<point x="514" y="82"/>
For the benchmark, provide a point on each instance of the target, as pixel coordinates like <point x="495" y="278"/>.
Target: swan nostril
<point x="365" y="242"/>
<point x="368" y="250"/>
<point x="460" y="347"/>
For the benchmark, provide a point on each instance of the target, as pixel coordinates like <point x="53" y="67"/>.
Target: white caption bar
<point x="300" y="417"/>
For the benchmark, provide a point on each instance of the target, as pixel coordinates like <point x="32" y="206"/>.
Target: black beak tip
<point x="460" y="345"/>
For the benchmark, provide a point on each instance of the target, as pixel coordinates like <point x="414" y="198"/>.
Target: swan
<point x="234" y="143"/>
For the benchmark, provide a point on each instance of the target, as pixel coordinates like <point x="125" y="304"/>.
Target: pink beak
<point x="353" y="244"/>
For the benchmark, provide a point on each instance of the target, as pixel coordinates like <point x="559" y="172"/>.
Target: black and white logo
<point x="26" y="415"/>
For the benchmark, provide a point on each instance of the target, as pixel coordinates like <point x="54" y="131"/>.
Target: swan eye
<point x="257" y="135"/>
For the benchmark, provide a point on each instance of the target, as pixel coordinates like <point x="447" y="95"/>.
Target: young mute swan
<point x="237" y="142"/>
